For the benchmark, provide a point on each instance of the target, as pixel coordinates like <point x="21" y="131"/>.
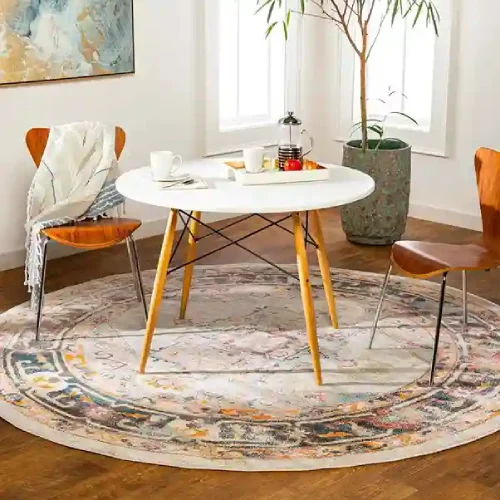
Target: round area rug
<point x="232" y="387"/>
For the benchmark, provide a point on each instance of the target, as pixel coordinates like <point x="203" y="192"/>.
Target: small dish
<point x="173" y="178"/>
<point x="185" y="182"/>
<point x="253" y="173"/>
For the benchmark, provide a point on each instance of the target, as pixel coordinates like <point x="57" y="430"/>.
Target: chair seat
<point x="92" y="234"/>
<point x="427" y="259"/>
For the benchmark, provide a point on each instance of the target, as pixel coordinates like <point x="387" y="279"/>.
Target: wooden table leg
<point x="188" y="271"/>
<point x="324" y="264"/>
<point x="161" y="278"/>
<point x="307" y="298"/>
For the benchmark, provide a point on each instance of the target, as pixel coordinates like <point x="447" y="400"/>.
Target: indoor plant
<point x="381" y="218"/>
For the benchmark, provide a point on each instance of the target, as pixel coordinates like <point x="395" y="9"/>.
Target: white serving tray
<point x="243" y="178"/>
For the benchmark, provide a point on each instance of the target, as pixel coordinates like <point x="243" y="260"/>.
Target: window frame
<point x="217" y="141"/>
<point x="435" y="139"/>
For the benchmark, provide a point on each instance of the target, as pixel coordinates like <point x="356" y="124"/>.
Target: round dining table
<point x="217" y="192"/>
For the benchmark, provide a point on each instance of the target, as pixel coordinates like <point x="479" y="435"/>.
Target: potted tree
<point x="380" y="219"/>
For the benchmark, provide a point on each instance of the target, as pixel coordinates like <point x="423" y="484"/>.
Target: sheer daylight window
<point x="408" y="73"/>
<point x="401" y="74"/>
<point x="247" y="76"/>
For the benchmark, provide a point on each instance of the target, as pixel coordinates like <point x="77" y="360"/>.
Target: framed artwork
<point x="61" y="39"/>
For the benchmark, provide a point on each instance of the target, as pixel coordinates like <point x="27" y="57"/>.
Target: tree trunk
<point x="363" y="96"/>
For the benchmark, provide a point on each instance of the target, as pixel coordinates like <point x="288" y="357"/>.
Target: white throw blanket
<point x="75" y="180"/>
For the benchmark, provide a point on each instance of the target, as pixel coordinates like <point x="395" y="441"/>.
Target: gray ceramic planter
<point x="381" y="218"/>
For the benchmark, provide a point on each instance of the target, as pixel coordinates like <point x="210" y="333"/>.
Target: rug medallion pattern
<point x="232" y="386"/>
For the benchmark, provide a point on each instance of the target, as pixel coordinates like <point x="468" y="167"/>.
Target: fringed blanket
<point x="75" y="181"/>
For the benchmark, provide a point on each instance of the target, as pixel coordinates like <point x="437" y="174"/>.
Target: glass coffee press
<point x="290" y="146"/>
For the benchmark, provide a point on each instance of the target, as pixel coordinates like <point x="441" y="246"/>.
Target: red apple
<point x="293" y="165"/>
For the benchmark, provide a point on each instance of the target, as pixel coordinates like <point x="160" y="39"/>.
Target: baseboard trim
<point x="12" y="260"/>
<point x="443" y="216"/>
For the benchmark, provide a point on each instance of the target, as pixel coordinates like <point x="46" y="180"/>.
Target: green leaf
<point x="396" y="9"/>
<point x="266" y="2"/>
<point x="285" y="29"/>
<point x="270" y="28"/>
<point x="403" y="8"/>
<point x="417" y="15"/>
<point x="434" y="19"/>
<point x="370" y="120"/>
<point x="404" y="115"/>
<point x="376" y="129"/>
<point x="270" y="13"/>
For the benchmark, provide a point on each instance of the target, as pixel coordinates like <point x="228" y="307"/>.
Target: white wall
<point x="159" y="107"/>
<point x="162" y="106"/>
<point x="443" y="189"/>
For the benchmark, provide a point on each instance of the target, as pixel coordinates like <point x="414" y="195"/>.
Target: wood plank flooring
<point x="31" y="468"/>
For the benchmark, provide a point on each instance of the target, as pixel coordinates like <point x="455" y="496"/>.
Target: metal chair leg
<point x="136" y="272"/>
<point x="41" y="292"/>
<point x="130" y="251"/>
<point x="380" y="304"/>
<point x="464" y="296"/>
<point x="438" y="328"/>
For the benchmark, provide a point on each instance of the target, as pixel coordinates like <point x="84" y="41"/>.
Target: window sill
<point x="271" y="149"/>
<point x="419" y="150"/>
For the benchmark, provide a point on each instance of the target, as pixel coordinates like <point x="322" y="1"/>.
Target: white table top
<point x="226" y="196"/>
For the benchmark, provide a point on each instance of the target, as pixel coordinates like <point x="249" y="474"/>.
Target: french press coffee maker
<point x="290" y="146"/>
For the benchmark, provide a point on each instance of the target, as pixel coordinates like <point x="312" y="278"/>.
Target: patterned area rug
<point x="232" y="387"/>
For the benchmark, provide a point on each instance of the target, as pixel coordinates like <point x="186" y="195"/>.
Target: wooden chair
<point x="423" y="260"/>
<point x="88" y="234"/>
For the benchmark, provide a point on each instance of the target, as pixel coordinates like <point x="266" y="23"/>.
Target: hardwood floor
<point x="31" y="468"/>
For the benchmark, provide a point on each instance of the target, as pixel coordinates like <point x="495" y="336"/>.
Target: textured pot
<point x="381" y="218"/>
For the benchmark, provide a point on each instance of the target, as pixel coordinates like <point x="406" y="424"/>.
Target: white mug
<point x="164" y="164"/>
<point x="254" y="159"/>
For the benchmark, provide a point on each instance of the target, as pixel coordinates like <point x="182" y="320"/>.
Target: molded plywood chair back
<point x="488" y="183"/>
<point x="426" y="259"/>
<point x="37" y="138"/>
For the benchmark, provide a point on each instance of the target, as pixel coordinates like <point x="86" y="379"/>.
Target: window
<point x="248" y="84"/>
<point x="408" y="72"/>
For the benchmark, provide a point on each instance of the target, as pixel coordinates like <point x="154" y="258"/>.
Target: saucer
<point x="254" y="173"/>
<point x="173" y="178"/>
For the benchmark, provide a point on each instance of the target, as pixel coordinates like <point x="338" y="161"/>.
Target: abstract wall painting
<point x="60" y="39"/>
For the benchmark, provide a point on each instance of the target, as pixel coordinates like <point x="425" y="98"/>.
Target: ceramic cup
<point x="164" y="164"/>
<point x="254" y="159"/>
